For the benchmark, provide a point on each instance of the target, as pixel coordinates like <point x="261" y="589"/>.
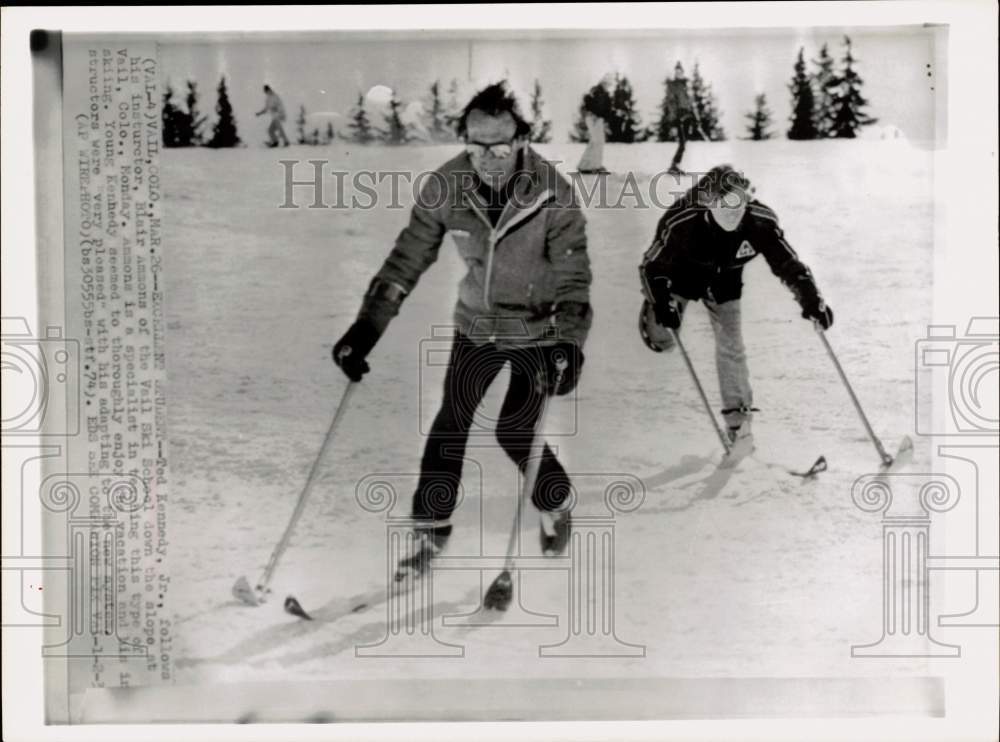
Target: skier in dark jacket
<point x="525" y="300"/>
<point x="702" y="243"/>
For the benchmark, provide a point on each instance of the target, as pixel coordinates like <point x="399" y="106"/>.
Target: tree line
<point x="185" y="126"/>
<point x="826" y="102"/>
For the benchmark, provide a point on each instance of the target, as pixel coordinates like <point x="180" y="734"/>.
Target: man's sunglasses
<point x="497" y="150"/>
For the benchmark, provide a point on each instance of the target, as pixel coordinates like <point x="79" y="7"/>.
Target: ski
<point x="356" y="604"/>
<point x="818" y="466"/>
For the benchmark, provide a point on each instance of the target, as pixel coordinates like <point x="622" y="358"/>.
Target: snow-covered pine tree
<point x="224" y="132"/>
<point x="396" y="132"/>
<point x="624" y="125"/>
<point x="597" y="101"/>
<point x="360" y="127"/>
<point x="197" y="120"/>
<point x="171" y="115"/>
<point x="759" y="120"/>
<point x="847" y="102"/>
<point x="436" y="116"/>
<point x="706" y="109"/>
<point x="541" y="127"/>
<point x="453" y="109"/>
<point x="300" y="126"/>
<point x="803" y="116"/>
<point x="675" y="102"/>
<point x="824" y="82"/>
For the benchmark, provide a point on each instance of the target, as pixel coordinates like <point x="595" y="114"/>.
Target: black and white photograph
<point x="503" y="364"/>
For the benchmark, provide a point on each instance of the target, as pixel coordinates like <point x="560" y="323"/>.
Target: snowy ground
<point x="746" y="574"/>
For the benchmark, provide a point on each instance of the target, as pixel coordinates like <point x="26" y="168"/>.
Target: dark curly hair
<point x="720" y="181"/>
<point x="494" y="100"/>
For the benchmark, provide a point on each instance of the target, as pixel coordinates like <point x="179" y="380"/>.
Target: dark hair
<point x="267" y="88"/>
<point x="720" y="181"/>
<point x="494" y="100"/>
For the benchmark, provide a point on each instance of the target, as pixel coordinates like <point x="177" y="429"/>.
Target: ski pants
<point x="730" y="359"/>
<point x="471" y="370"/>
<point x="276" y="130"/>
<point x="684" y="123"/>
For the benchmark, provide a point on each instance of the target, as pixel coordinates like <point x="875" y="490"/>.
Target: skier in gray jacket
<point x="274" y="106"/>
<point x="524" y="300"/>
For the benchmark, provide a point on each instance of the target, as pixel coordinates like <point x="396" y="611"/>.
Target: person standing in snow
<point x="592" y="160"/>
<point x="524" y="301"/>
<point x="274" y="106"/>
<point x="702" y="243"/>
<point x="681" y="113"/>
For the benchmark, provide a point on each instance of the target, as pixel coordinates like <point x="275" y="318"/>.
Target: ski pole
<point x="886" y="458"/>
<point x="242" y="588"/>
<point x="500" y="591"/>
<point x="701" y="392"/>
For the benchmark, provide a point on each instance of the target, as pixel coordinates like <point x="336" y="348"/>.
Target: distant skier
<point x="524" y="301"/>
<point x="274" y="106"/>
<point x="681" y="115"/>
<point x="702" y="243"/>
<point x="592" y="160"/>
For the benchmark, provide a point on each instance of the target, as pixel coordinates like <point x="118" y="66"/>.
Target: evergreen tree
<point x="847" y="102"/>
<point x="705" y="109"/>
<point x="436" y="116"/>
<point x="759" y="120"/>
<point x="330" y="135"/>
<point x="224" y="132"/>
<point x="171" y="116"/>
<point x="541" y="128"/>
<point x="396" y="132"/>
<point x="596" y="101"/>
<point x="181" y="128"/>
<point x="300" y="126"/>
<point x="360" y="127"/>
<point x="197" y="120"/>
<point x="676" y="101"/>
<point x="824" y="82"/>
<point x="624" y="125"/>
<point x="453" y="111"/>
<point x="803" y="116"/>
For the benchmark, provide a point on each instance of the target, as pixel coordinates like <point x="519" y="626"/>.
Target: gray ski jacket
<point x="524" y="275"/>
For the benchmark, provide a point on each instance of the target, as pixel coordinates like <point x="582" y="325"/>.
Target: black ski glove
<point x="666" y="308"/>
<point x="821" y="314"/>
<point x="809" y="298"/>
<point x="351" y="350"/>
<point x="563" y="365"/>
<point x="814" y="308"/>
<point x="380" y="305"/>
<point x="667" y="312"/>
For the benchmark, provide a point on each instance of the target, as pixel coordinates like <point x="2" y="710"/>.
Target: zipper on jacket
<point x="492" y="248"/>
<point x="497" y="233"/>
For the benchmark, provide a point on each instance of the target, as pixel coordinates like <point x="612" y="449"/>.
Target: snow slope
<point x="744" y="574"/>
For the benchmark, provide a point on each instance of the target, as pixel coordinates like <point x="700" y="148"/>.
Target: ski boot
<point x="556" y="526"/>
<point x="740" y="440"/>
<point x="426" y="542"/>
